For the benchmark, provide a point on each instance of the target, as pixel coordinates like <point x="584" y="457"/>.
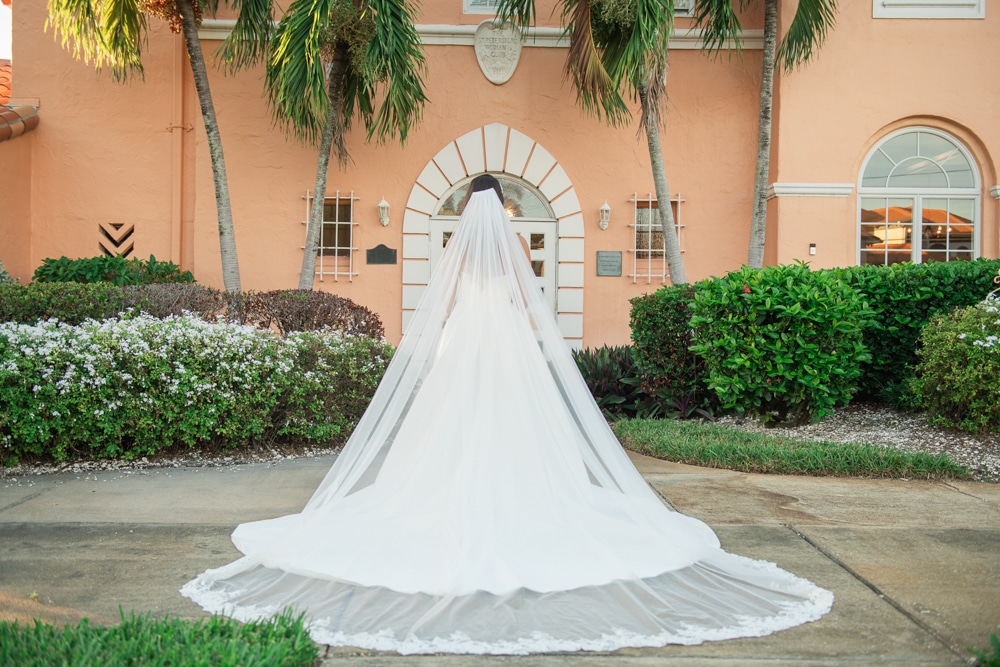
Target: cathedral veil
<point x="483" y="505"/>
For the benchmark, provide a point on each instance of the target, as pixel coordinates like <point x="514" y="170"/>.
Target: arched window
<point x="919" y="200"/>
<point x="521" y="201"/>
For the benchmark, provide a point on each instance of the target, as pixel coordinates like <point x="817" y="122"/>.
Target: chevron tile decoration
<point x="116" y="238"/>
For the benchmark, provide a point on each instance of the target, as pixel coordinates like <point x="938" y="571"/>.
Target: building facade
<point x="884" y="150"/>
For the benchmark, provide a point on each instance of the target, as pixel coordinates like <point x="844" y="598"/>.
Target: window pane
<point x="877" y="171"/>
<point x="519" y="201"/>
<point x="936" y="147"/>
<point x="872" y="209"/>
<point x="959" y="171"/>
<point x="538" y="241"/>
<point x="961" y="255"/>
<point x="901" y="147"/>
<point x="918" y="172"/>
<point x="538" y="266"/>
<point x="872" y="258"/>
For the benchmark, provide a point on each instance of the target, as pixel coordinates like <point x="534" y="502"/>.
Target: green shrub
<point x="958" y="376"/>
<point x="610" y="374"/>
<point x="306" y="310"/>
<point x="112" y="269"/>
<point x="71" y="303"/>
<point x="662" y="336"/>
<point x="4" y="276"/>
<point x="336" y="376"/>
<point x="164" y="300"/>
<point x="903" y="298"/>
<point x="125" y="388"/>
<point x="780" y="342"/>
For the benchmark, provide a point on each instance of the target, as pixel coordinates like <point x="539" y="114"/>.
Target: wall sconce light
<point x="812" y="248"/>
<point x="605" y="215"/>
<point x="383" y="212"/>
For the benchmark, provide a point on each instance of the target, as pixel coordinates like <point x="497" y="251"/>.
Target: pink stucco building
<point x="884" y="150"/>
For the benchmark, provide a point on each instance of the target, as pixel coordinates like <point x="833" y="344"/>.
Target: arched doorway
<point x="530" y="215"/>
<point x="537" y="181"/>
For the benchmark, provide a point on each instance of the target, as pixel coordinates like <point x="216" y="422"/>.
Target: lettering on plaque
<point x="609" y="262"/>
<point x="381" y="254"/>
<point x="497" y="50"/>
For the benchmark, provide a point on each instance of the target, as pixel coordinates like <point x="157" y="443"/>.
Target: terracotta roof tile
<point x="5" y="79"/>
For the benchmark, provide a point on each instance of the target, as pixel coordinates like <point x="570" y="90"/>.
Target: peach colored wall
<point x="15" y="206"/>
<point x="873" y="76"/>
<point x="137" y="154"/>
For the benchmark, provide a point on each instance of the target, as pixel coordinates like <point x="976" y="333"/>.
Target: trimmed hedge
<point x="782" y="342"/>
<point x="124" y="388"/>
<point x="110" y="269"/>
<point x="71" y="303"/>
<point x="903" y="299"/>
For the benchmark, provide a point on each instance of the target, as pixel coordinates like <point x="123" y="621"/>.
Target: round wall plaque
<point x="497" y="50"/>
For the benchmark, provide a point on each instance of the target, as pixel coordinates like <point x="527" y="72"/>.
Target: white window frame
<point x="649" y="263"/>
<point x="486" y="7"/>
<point x="325" y="267"/>
<point x="929" y="9"/>
<point x="919" y="194"/>
<point x="683" y="8"/>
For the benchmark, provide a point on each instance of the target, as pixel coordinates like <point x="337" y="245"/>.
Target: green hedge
<point x="124" y="388"/>
<point x="903" y="299"/>
<point x="782" y="342"/>
<point x="110" y="269"/>
<point x="71" y="303"/>
<point x="958" y="375"/>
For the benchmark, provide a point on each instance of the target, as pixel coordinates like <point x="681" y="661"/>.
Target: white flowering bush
<point x="134" y="386"/>
<point x="958" y="375"/>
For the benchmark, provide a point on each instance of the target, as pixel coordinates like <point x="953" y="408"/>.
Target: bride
<point x="483" y="505"/>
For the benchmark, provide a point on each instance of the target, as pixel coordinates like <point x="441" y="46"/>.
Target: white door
<point x="539" y="233"/>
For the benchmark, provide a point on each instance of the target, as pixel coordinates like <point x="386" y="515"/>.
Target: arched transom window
<point x="919" y="200"/>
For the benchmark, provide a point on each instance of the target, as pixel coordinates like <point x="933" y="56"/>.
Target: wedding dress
<point x="483" y="505"/>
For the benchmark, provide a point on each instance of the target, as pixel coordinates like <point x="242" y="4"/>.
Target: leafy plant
<point x="112" y="269"/>
<point x="903" y="298"/>
<point x="990" y="657"/>
<point x="71" y="303"/>
<point x="307" y="310"/>
<point x="662" y="336"/>
<point x="280" y="641"/>
<point x="4" y="276"/>
<point x="164" y="300"/>
<point x="610" y="375"/>
<point x="958" y="376"/>
<point x="780" y="342"/>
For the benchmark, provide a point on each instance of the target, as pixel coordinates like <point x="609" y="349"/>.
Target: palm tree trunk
<point x="334" y="125"/>
<point x="758" y="223"/>
<point x="672" y="246"/>
<point x="227" y="234"/>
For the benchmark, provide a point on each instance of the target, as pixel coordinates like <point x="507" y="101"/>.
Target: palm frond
<point x="247" y="44"/>
<point x="812" y="20"/>
<point x="583" y="62"/>
<point x="519" y="13"/>
<point x="105" y="33"/>
<point x="720" y="24"/>
<point x="395" y="65"/>
<point x="295" y="76"/>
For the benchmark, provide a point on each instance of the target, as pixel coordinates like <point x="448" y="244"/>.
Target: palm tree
<point x="333" y="60"/>
<point x="111" y="33"/>
<point x="808" y="29"/>
<point x="620" y="47"/>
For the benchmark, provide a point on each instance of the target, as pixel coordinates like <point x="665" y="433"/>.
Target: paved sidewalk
<point x="915" y="566"/>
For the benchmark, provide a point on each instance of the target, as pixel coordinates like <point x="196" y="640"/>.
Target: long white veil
<point x="483" y="505"/>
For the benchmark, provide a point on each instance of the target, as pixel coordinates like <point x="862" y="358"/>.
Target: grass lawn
<point x="712" y="446"/>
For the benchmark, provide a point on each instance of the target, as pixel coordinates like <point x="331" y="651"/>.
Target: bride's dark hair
<point x="484" y="182"/>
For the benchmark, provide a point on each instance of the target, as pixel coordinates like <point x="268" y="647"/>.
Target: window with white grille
<point x="929" y="9"/>
<point x="649" y="259"/>
<point x="335" y="255"/>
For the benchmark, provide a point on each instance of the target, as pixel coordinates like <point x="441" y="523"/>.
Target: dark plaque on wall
<point x="609" y="262"/>
<point x="380" y="254"/>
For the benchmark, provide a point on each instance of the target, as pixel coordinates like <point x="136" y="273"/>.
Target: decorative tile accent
<point x="116" y="238"/>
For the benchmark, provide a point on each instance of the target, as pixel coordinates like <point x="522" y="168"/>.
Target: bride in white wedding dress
<point x="483" y="505"/>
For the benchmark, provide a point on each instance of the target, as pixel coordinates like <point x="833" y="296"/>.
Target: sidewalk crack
<point x="880" y="593"/>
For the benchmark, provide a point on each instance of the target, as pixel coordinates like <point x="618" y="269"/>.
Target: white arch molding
<point x="497" y="149"/>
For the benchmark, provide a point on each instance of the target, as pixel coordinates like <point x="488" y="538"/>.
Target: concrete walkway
<point x="915" y="566"/>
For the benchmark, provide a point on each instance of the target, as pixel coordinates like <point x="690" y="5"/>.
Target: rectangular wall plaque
<point x="381" y="254"/>
<point x="609" y="262"/>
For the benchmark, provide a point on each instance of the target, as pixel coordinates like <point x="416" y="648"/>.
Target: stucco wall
<point x="15" y="206"/>
<point x="870" y="77"/>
